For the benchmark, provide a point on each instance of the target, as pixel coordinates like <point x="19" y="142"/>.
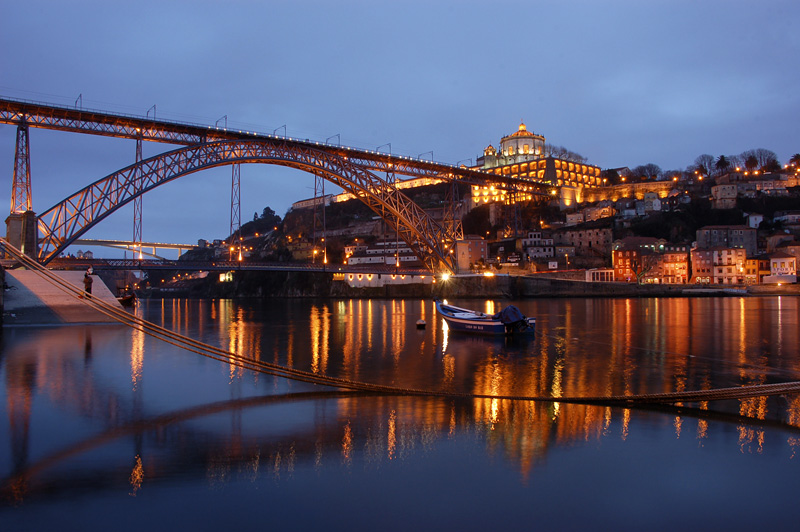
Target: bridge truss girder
<point x="46" y="116"/>
<point x="72" y="217"/>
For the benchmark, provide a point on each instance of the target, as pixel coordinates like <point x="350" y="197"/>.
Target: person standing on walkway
<point x="87" y="282"/>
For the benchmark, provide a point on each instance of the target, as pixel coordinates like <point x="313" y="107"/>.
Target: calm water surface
<point x="105" y="428"/>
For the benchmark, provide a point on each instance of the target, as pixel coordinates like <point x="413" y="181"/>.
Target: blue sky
<point x="623" y="83"/>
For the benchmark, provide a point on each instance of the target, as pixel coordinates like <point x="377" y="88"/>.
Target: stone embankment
<point x="29" y="299"/>
<point x="293" y="284"/>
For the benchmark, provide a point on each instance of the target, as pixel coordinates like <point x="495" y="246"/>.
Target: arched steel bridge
<point x="205" y="147"/>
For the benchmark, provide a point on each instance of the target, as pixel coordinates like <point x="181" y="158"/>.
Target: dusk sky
<point x="622" y="83"/>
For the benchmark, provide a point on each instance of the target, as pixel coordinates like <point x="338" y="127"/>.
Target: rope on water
<point x="209" y="351"/>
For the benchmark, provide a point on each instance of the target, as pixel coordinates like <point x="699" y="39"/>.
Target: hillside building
<point x="471" y="251"/>
<point x="590" y="239"/>
<point x="538" y="246"/>
<point x="728" y="236"/>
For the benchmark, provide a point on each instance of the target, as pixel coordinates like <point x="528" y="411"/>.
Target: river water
<point x="105" y="428"/>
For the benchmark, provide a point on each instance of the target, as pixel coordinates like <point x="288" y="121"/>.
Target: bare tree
<point x="704" y="163"/>
<point x="736" y="161"/>
<point x="560" y="152"/>
<point x="672" y="175"/>
<point x="641" y="265"/>
<point x="764" y="159"/>
<point x="647" y="171"/>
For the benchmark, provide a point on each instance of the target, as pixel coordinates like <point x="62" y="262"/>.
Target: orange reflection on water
<point x="449" y="366"/>
<point x="243" y="337"/>
<point x="702" y="429"/>
<point x="137" y="477"/>
<point x="370" y="326"/>
<point x="347" y="445"/>
<point x="398" y="327"/>
<point x="351" y="322"/>
<point x="392" y="436"/>
<point x="320" y="332"/>
<point x="137" y="356"/>
<point x="557" y="390"/>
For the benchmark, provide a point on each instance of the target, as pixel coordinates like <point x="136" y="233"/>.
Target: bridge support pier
<point x="22" y="232"/>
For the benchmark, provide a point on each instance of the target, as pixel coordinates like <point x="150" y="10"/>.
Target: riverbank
<point x="306" y="284"/>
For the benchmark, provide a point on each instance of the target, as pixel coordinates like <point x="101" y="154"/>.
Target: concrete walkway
<point x="29" y="299"/>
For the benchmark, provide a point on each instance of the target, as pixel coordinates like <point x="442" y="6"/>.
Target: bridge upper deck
<point x="88" y="121"/>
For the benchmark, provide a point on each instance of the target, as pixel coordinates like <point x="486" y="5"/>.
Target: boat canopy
<point x="510" y="314"/>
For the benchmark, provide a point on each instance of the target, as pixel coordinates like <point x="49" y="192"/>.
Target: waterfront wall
<point x="307" y="284"/>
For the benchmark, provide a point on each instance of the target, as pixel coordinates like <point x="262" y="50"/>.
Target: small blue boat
<point x="509" y="321"/>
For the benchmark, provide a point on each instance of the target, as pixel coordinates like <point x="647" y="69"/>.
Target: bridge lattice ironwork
<point x="47" y="116"/>
<point x="72" y="217"/>
<point x="352" y="169"/>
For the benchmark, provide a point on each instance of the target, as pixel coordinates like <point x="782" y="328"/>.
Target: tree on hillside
<point x="764" y="159"/>
<point x="795" y="159"/>
<point x="560" y="152"/>
<point x="672" y="175"/>
<point x="612" y="176"/>
<point x="269" y="217"/>
<point x="646" y="171"/>
<point x="703" y="164"/>
<point x="722" y="164"/>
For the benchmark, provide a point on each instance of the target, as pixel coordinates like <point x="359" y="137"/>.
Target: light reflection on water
<point x="118" y="413"/>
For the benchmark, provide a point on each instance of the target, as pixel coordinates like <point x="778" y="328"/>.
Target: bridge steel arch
<point x="66" y="221"/>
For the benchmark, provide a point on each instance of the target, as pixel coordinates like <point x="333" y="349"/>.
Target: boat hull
<point x="467" y="321"/>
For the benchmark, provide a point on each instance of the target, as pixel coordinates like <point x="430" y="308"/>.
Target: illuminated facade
<point x="522" y="156"/>
<point x="389" y="252"/>
<point x="755" y="270"/>
<point x="634" y="257"/>
<point x="729" y="264"/>
<point x="675" y="264"/>
<point x="702" y="261"/>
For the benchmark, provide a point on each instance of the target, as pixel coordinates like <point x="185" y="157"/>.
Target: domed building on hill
<point x="523" y="155"/>
<point x="522" y="145"/>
